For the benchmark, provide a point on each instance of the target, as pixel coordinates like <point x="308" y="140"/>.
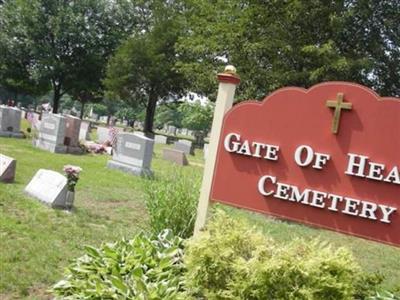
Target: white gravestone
<point x="172" y="130"/>
<point x="84" y="131"/>
<point x="160" y="139"/>
<point x="102" y="135"/>
<point x="7" y="168"/>
<point x="133" y="154"/>
<point x="10" y="121"/>
<point x="52" y="133"/>
<point x="49" y="187"/>
<point x="185" y="146"/>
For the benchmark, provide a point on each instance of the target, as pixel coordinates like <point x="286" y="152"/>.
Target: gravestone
<point x="52" y="133"/>
<point x="160" y="139"/>
<point x="172" y="130"/>
<point x="102" y="135"/>
<point x="71" y="140"/>
<point x="205" y="149"/>
<point x="49" y="187"/>
<point x="7" y="168"/>
<point x="175" y="156"/>
<point x="84" y="131"/>
<point x="10" y="120"/>
<point x="185" y="146"/>
<point x="103" y="119"/>
<point x="184" y="131"/>
<point x="132" y="154"/>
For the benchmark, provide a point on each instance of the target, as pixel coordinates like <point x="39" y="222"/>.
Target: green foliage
<point x="169" y="115"/>
<point x="196" y="116"/>
<point x="283" y="43"/>
<point x="385" y="296"/>
<point x="233" y="261"/>
<point x="143" y="67"/>
<point x="172" y="202"/>
<point x="141" y="268"/>
<point x="65" y="44"/>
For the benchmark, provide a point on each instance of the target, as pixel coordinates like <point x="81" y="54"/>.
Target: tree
<point x="143" y="68"/>
<point x="64" y="44"/>
<point x="281" y="43"/>
<point x="196" y="116"/>
<point x="168" y="114"/>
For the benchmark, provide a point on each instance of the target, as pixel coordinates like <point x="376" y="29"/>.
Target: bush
<point x="231" y="260"/>
<point x="172" y="203"/>
<point x="140" y="268"/>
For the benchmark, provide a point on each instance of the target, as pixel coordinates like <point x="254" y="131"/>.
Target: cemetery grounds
<point x="37" y="243"/>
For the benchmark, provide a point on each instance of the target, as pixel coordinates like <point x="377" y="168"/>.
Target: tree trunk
<point x="150" y="112"/>
<point x="82" y="108"/>
<point x="56" y="97"/>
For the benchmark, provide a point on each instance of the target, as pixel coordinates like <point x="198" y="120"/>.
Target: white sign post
<point x="226" y="92"/>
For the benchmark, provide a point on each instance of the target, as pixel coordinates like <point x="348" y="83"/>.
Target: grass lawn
<point x="37" y="242"/>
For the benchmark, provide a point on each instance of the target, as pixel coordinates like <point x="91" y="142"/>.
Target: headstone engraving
<point x="185" y="146"/>
<point x="133" y="154"/>
<point x="7" y="168"/>
<point x="10" y="120"/>
<point x="49" y="187"/>
<point x="175" y="156"/>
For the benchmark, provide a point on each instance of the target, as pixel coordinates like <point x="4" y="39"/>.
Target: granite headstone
<point x="185" y="146"/>
<point x="84" y="131"/>
<point x="7" y="168"/>
<point x="49" y="187"/>
<point x="10" y="121"/>
<point x="175" y="156"/>
<point x="132" y="154"/>
<point x="160" y="139"/>
<point x="52" y="133"/>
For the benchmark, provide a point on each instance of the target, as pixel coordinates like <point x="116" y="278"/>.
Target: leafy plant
<point x="231" y="260"/>
<point x="385" y="296"/>
<point x="141" y="268"/>
<point x="172" y="203"/>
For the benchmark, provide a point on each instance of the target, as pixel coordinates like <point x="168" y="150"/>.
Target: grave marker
<point x="132" y="154"/>
<point x="10" y="120"/>
<point x="185" y="146"/>
<point x="49" y="187"/>
<point x="300" y="160"/>
<point x="52" y="133"/>
<point x="84" y="131"/>
<point x="71" y="140"/>
<point x="175" y="156"/>
<point x="7" y="168"/>
<point x="160" y="139"/>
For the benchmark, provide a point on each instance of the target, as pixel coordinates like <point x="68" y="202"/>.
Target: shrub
<point x="231" y="260"/>
<point x="141" y="268"/>
<point x="172" y="203"/>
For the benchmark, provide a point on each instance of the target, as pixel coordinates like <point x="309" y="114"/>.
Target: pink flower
<point x="69" y="169"/>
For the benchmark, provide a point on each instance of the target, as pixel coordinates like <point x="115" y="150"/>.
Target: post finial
<point x="229" y="69"/>
<point x="229" y="75"/>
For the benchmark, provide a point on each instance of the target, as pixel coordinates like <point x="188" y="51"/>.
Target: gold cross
<point x="338" y="105"/>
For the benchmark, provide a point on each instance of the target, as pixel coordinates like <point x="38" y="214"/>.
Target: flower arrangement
<point x="72" y="173"/>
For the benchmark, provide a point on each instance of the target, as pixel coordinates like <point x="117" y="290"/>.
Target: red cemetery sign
<point x="328" y="156"/>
